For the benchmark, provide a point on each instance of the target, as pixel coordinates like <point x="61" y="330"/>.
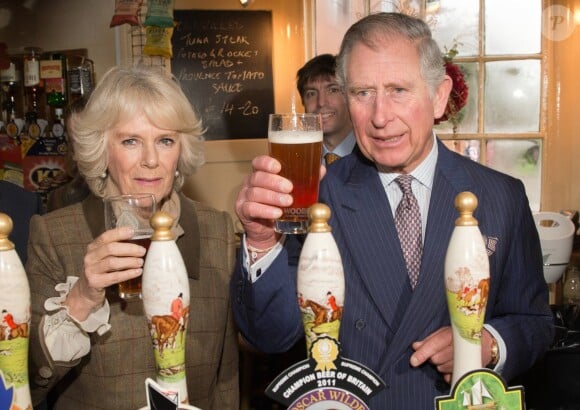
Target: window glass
<point x="512" y="96"/>
<point x="410" y="7"/>
<point x="520" y="159"/>
<point x="333" y="18"/>
<point x="467" y="148"/>
<point x="455" y="22"/>
<point x="513" y="26"/>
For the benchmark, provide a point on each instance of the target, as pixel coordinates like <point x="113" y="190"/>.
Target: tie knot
<point x="404" y="182"/>
<point x="330" y="157"/>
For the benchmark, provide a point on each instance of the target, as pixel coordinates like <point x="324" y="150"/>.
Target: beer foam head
<point x="294" y="137"/>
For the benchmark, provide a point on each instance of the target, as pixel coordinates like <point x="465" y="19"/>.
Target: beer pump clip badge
<point x="325" y="380"/>
<point x="482" y="389"/>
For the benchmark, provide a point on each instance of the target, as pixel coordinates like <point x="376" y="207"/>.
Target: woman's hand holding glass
<point x="107" y="262"/>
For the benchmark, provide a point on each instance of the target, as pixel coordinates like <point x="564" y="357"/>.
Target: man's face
<point x="390" y="105"/>
<point x="323" y="96"/>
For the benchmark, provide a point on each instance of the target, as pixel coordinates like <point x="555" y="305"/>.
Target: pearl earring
<point x="176" y="173"/>
<point x="104" y="175"/>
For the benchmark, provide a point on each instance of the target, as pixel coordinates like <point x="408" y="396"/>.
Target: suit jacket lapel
<point x="369" y="235"/>
<point x="190" y="224"/>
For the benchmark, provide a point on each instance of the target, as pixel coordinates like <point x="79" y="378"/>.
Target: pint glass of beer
<point x="132" y="210"/>
<point x="296" y="141"/>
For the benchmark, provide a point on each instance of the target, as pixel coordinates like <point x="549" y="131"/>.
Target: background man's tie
<point x="330" y="157"/>
<point x="408" y="224"/>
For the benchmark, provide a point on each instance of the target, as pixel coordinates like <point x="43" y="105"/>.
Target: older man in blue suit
<point x="392" y="72"/>
<point x="19" y="204"/>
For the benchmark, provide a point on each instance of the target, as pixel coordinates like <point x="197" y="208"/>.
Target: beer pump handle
<point x="467" y="286"/>
<point x="15" y="323"/>
<point x="166" y="298"/>
<point x="320" y="281"/>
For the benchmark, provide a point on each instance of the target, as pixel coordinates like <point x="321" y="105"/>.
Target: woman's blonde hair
<point x="123" y="93"/>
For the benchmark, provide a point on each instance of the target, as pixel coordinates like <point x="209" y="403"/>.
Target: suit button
<point x="43" y="376"/>
<point x="45" y="372"/>
<point x="360" y="324"/>
<point x="39" y="381"/>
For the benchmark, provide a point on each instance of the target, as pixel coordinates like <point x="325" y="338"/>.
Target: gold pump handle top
<point x="162" y="224"/>
<point x="466" y="203"/>
<point x="319" y="214"/>
<point x="5" y="231"/>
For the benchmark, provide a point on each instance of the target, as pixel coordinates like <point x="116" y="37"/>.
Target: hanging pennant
<point x="158" y="42"/>
<point x="126" y="12"/>
<point x="159" y="13"/>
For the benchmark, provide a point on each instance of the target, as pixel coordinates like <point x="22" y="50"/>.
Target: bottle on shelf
<point x="31" y="127"/>
<point x="53" y="72"/>
<point x="32" y="66"/>
<point x="12" y="128"/>
<point x="58" y="124"/>
<point x="80" y="79"/>
<point x="32" y="84"/>
<point x="9" y="79"/>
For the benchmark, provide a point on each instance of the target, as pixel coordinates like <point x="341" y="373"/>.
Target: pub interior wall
<point x="561" y="180"/>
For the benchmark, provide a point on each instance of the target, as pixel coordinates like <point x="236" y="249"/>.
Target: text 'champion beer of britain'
<point x="295" y="140"/>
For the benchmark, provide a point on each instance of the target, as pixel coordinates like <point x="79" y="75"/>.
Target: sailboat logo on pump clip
<point x="478" y="397"/>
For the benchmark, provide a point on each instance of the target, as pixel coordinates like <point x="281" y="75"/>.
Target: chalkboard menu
<point x="223" y="61"/>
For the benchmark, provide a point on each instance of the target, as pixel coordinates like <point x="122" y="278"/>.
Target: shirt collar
<point x="424" y="173"/>
<point x="344" y="148"/>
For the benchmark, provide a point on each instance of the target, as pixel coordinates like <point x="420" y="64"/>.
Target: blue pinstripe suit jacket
<point x="382" y="315"/>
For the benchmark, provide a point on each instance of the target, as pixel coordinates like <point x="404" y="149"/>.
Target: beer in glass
<point x="296" y="141"/>
<point x="132" y="210"/>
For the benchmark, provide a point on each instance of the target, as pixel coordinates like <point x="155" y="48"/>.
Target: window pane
<point x="332" y="21"/>
<point x="410" y="7"/>
<point x="467" y="118"/>
<point x="520" y="159"/>
<point x="512" y="96"/>
<point x="467" y="148"/>
<point x="513" y="26"/>
<point x="455" y="21"/>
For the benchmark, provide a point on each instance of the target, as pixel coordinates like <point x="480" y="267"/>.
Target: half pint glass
<point x="296" y="141"/>
<point x="132" y="210"/>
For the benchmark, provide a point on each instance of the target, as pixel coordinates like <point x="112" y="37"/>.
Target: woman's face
<point x="143" y="158"/>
